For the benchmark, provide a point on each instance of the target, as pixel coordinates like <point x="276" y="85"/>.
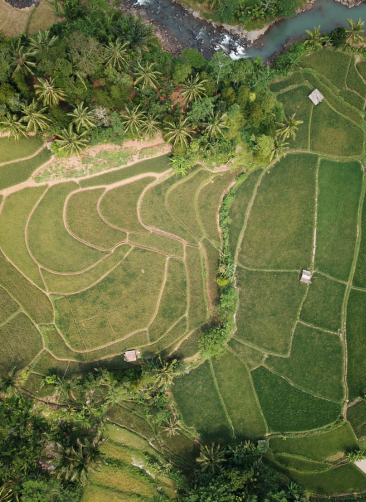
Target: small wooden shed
<point x="131" y="356"/>
<point x="316" y="97"/>
<point x="305" y="276"/>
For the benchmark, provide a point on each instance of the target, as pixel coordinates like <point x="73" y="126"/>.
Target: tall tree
<point x="216" y="124"/>
<point x="10" y="384"/>
<point x="82" y="117"/>
<point x="21" y="58"/>
<point x="355" y="33"/>
<point x="71" y="142"/>
<point x="211" y="458"/>
<point x="315" y="39"/>
<point x="193" y="89"/>
<point x="48" y="93"/>
<point x="151" y="125"/>
<point x="133" y="119"/>
<point x="178" y="132"/>
<point x="289" y="127"/>
<point x="42" y="42"/>
<point x="13" y="126"/>
<point x="34" y="117"/>
<point x="116" y="54"/>
<point x="146" y="76"/>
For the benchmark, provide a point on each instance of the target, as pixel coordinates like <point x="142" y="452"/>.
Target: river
<point x="189" y="31"/>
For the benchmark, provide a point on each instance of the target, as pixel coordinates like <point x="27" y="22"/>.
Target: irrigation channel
<point x="189" y="31"/>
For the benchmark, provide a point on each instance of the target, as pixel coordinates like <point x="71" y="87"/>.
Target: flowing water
<point x="194" y="32"/>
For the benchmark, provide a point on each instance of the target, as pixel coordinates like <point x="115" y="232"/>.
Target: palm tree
<point x="47" y="91"/>
<point x="355" y="34"/>
<point x="151" y="125"/>
<point x="136" y="33"/>
<point x="21" y="58"/>
<point x="82" y="117"/>
<point x="71" y="142"/>
<point x="133" y="119"/>
<point x="216" y="124"/>
<point x="172" y="428"/>
<point x="288" y="127"/>
<point x="315" y="38"/>
<point x="146" y="75"/>
<point x="13" y="125"/>
<point x="5" y="494"/>
<point x="178" y="132"/>
<point x="193" y="89"/>
<point x="279" y="149"/>
<point x="42" y="41"/>
<point x="34" y="118"/>
<point x="165" y="374"/>
<point x="210" y="458"/>
<point x="10" y="383"/>
<point x="116" y="54"/>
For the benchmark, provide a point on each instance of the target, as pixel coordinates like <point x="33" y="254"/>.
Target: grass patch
<point x="280" y="227"/>
<point x="198" y="311"/>
<point x="293" y="79"/>
<point x="20" y="342"/>
<point x="356" y="415"/>
<point x="13" y="21"/>
<point x="158" y="242"/>
<point x="323" y="304"/>
<point x="200" y="405"/>
<point x="173" y="303"/>
<point x="356" y="348"/>
<point x="119" y="206"/>
<point x="13" y="221"/>
<point x="317" y="446"/>
<point x="157" y="165"/>
<point x="333" y="134"/>
<point x="208" y="203"/>
<point x="355" y="82"/>
<point x="303" y="411"/>
<point x="68" y="284"/>
<point x="50" y="243"/>
<point x="127" y="418"/>
<point x="155" y="213"/>
<point x="268" y="306"/>
<point x="167" y="342"/>
<point x="181" y="201"/>
<point x="333" y="64"/>
<point x="32" y="299"/>
<point x="297" y="101"/>
<point x="299" y="464"/>
<point x="315" y="363"/>
<point x="8" y="306"/>
<point x="17" y="172"/>
<point x="251" y="356"/>
<point x="189" y="347"/>
<point x="123" y="302"/>
<point x="11" y="150"/>
<point x="237" y="391"/>
<point x="359" y="278"/>
<point x="43" y="18"/>
<point x="211" y="268"/>
<point x="239" y="207"/>
<point x="361" y="67"/>
<point x="353" y="99"/>
<point x="84" y="221"/>
<point x="340" y="185"/>
<point x="347" y="478"/>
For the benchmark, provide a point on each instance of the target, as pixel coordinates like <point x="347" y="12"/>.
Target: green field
<point x="128" y="259"/>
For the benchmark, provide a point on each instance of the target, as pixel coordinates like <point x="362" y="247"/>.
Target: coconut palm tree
<point x="288" y="127"/>
<point x="138" y="34"/>
<point x="178" y="132"/>
<point x="355" y="33"/>
<point x="10" y="383"/>
<point x="211" y="458"/>
<point x="172" y="428"/>
<point x="146" y="75"/>
<point x="193" y="89"/>
<point x="13" y="125"/>
<point x="34" y="117"/>
<point x="151" y="125"/>
<point x="116" y="54"/>
<point x="133" y="119"/>
<point x="279" y="149"/>
<point x="215" y="124"/>
<point x="315" y="38"/>
<point x="165" y="374"/>
<point x="21" y="58"/>
<point x="42" y="41"/>
<point x="48" y="93"/>
<point x="82" y="117"/>
<point x="6" y="494"/>
<point x="72" y="142"/>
